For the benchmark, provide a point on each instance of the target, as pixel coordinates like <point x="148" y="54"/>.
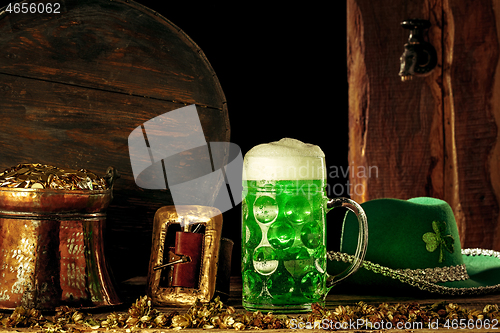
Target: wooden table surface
<point x="135" y="288"/>
<point x="336" y="297"/>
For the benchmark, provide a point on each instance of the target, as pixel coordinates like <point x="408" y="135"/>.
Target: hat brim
<point x="483" y="269"/>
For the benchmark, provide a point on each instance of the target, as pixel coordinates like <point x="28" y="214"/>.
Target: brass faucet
<point x="419" y="57"/>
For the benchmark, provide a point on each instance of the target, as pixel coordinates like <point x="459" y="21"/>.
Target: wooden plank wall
<point x="434" y="136"/>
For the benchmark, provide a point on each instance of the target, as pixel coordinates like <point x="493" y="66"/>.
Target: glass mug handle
<point x="354" y="207"/>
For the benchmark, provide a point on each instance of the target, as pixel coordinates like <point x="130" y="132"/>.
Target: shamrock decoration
<point x="436" y="239"/>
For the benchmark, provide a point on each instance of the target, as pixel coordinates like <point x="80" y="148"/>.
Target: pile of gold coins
<point x="39" y="176"/>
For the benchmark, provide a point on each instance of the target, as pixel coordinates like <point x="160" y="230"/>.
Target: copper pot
<point x="52" y="250"/>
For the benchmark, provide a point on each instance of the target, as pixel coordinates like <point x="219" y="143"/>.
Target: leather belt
<point x="184" y="264"/>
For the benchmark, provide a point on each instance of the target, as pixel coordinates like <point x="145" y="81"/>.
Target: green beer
<point x="283" y="244"/>
<point x="283" y="227"/>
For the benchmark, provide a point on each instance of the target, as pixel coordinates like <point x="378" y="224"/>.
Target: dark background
<point x="283" y="72"/>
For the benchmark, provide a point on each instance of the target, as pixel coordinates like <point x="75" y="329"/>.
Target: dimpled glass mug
<point x="284" y="232"/>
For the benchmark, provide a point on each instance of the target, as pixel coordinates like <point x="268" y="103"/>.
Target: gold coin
<point x="22" y="171"/>
<point x="37" y="185"/>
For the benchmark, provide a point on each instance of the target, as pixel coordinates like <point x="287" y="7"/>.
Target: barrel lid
<point x="118" y="46"/>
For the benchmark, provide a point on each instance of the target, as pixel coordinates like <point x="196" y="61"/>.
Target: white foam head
<point x="286" y="159"/>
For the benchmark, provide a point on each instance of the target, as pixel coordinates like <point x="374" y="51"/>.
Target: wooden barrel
<point x="75" y="82"/>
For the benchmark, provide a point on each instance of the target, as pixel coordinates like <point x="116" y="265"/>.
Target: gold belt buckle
<point x="170" y="221"/>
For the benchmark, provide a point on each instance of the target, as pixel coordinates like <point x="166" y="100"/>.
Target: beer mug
<point x="284" y="232"/>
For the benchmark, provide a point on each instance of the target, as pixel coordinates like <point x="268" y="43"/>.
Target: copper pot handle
<point x="111" y="175"/>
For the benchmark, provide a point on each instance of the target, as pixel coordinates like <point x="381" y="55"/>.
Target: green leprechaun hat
<point x="414" y="245"/>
